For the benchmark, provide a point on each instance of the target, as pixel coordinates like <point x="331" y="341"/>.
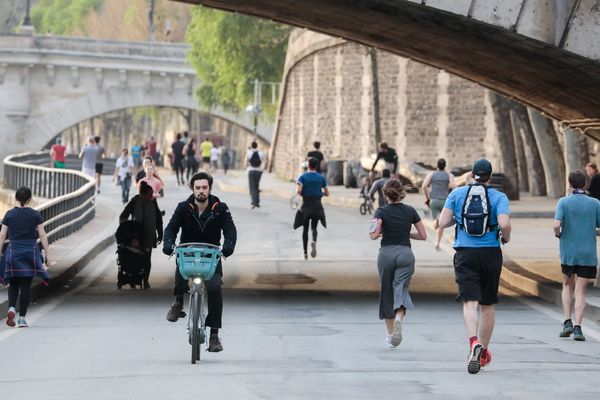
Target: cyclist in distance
<point x="202" y="218"/>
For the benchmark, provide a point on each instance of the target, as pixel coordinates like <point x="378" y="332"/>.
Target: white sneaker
<point x="22" y="323"/>
<point x="388" y="341"/>
<point x="396" y="337"/>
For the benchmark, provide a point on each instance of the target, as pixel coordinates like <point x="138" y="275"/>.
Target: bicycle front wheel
<point x="195" y="316"/>
<point x="363" y="209"/>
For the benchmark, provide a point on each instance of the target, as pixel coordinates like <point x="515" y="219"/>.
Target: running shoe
<point x="305" y="256"/>
<point x="313" y="251"/>
<point x="388" y="341"/>
<point x="22" y="323"/>
<point x="578" y="334"/>
<point x="396" y="338"/>
<point x="567" y="329"/>
<point x="10" y="316"/>
<point x="474" y="359"/>
<point x="486" y="358"/>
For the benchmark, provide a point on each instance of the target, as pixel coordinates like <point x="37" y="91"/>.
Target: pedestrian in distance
<point x="312" y="187"/>
<point x="575" y="223"/>
<point x="143" y="209"/>
<point x="389" y="156"/>
<point x="225" y="159"/>
<point x="441" y="183"/>
<point x="482" y="218"/>
<point x="378" y="188"/>
<point x="153" y="180"/>
<point x="99" y="167"/>
<point x="89" y="155"/>
<point x="136" y="155"/>
<point x="395" y="262"/>
<point x="189" y="153"/>
<point x="22" y="259"/>
<point x="123" y="170"/>
<point x="202" y="217"/>
<point x="214" y="160"/>
<point x="57" y="154"/>
<point x="205" y="150"/>
<point x="177" y="158"/>
<point x="591" y="170"/>
<point x="316" y="153"/>
<point x="254" y="162"/>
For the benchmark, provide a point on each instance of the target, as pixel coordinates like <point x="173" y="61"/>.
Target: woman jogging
<point x="396" y="261"/>
<point x="312" y="187"/>
<point x="22" y="260"/>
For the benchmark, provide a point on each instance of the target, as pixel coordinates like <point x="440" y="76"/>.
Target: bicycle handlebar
<point x="197" y="244"/>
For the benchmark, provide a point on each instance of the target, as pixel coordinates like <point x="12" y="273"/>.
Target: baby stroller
<point x="131" y="254"/>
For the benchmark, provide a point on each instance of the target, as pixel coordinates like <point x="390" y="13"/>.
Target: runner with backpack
<point x="482" y="218"/>
<point x="254" y="161"/>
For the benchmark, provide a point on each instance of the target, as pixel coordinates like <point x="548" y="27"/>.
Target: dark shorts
<point x="99" y="168"/>
<point x="579" y="270"/>
<point x="477" y="272"/>
<point x="206" y="160"/>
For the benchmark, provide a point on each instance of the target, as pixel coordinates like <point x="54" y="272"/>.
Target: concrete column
<point x="401" y="142"/>
<point x="576" y="151"/>
<point x="442" y="118"/>
<point x="339" y="103"/>
<point x="490" y="141"/>
<point x="366" y="139"/>
<point x="314" y="134"/>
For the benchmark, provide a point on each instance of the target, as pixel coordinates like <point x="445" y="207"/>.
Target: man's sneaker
<point x="567" y="329"/>
<point x="10" y="316"/>
<point x="578" y="334"/>
<point x="175" y="312"/>
<point x="22" y="323"/>
<point x="214" y="344"/>
<point x="388" y="341"/>
<point x="313" y="249"/>
<point x="474" y="359"/>
<point x="486" y="358"/>
<point x="396" y="337"/>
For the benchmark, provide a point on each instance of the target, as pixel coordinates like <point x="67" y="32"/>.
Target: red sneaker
<point x="474" y="358"/>
<point x="10" y="317"/>
<point x="486" y="358"/>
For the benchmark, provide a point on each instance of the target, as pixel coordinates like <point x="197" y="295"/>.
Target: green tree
<point x="229" y="51"/>
<point x="61" y="17"/>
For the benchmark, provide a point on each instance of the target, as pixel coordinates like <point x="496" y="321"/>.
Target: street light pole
<point x="27" y="19"/>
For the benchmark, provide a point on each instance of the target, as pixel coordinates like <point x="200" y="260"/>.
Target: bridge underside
<point x="563" y="85"/>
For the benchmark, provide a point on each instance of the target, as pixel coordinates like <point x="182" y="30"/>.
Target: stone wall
<point x="425" y="113"/>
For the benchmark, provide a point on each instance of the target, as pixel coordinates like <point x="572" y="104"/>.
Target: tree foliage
<point x="229" y="51"/>
<point x="61" y="17"/>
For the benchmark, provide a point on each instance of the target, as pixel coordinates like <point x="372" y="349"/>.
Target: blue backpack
<point x="476" y="211"/>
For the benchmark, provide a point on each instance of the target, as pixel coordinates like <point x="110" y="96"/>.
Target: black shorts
<point x="579" y="270"/>
<point x="206" y="160"/>
<point x="99" y="168"/>
<point x="477" y="272"/>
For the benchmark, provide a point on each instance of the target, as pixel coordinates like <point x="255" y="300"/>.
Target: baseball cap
<point x="482" y="167"/>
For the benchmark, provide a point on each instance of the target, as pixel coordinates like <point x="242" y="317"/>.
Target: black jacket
<point x="205" y="228"/>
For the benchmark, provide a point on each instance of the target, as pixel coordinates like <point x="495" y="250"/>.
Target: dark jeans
<point x="214" y="296"/>
<point x="20" y="287"/>
<point x="178" y="167"/>
<point x="147" y="264"/>
<point x="313" y="227"/>
<point x="125" y="186"/>
<point x="253" y="183"/>
<point x="192" y="167"/>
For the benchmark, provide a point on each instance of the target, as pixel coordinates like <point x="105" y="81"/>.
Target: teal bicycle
<point x="198" y="262"/>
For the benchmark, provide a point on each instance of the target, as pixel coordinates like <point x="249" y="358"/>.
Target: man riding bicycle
<point x="201" y="218"/>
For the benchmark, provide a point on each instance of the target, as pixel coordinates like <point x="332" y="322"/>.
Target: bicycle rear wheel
<point x="195" y="316"/>
<point x="363" y="209"/>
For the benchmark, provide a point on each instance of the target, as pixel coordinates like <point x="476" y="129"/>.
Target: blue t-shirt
<point x="580" y="216"/>
<point x="22" y="223"/>
<point x="312" y="183"/>
<point x="136" y="151"/>
<point x="498" y="204"/>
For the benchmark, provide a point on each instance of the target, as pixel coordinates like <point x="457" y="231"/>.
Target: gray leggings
<point x="396" y="265"/>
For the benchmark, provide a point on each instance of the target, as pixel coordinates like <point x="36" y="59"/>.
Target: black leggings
<point x="178" y="167"/>
<point x="22" y="286"/>
<point x="313" y="226"/>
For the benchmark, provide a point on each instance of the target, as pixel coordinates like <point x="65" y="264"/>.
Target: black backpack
<point x="476" y="211"/>
<point x="255" y="160"/>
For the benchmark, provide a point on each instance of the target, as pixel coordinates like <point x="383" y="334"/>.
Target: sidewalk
<point x="531" y="265"/>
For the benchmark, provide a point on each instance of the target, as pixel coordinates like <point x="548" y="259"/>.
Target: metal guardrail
<point x="72" y="194"/>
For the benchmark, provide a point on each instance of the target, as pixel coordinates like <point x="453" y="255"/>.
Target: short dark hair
<point x="441" y="164"/>
<point x="199" y="176"/>
<point x="254" y="145"/>
<point x="23" y="195"/>
<point x="178" y="136"/>
<point x="577" y="179"/>
<point x="185" y="133"/>
<point x="312" y="163"/>
<point x="317" y="145"/>
<point x="383" y="145"/>
<point x="97" y="139"/>
<point x="386" y="173"/>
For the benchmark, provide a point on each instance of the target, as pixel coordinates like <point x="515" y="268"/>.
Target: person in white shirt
<point x="255" y="161"/>
<point x="214" y="159"/>
<point x="123" y="171"/>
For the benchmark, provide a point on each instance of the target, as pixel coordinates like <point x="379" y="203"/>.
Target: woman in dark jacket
<point x="143" y="208"/>
<point x="22" y="260"/>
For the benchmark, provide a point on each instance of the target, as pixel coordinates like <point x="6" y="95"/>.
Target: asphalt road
<point x="293" y="329"/>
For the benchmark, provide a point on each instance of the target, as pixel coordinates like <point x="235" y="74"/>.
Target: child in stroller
<point x="131" y="254"/>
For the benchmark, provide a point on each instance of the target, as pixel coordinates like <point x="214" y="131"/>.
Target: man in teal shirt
<point x="577" y="217"/>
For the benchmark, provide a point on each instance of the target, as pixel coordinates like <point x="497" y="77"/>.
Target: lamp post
<point x="254" y="110"/>
<point x="27" y="19"/>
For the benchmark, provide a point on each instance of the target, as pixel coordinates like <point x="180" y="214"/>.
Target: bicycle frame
<point x="195" y="322"/>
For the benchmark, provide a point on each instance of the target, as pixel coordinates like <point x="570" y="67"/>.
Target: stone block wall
<point x="424" y="113"/>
